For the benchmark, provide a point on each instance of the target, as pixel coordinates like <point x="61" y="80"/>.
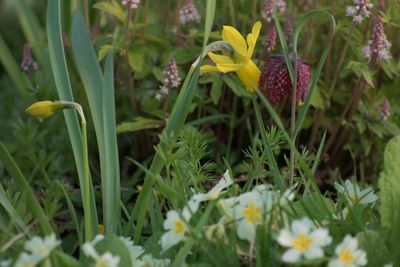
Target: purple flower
<point x="360" y="11"/>
<point x="188" y="13"/>
<point x="27" y="61"/>
<point x="275" y="79"/>
<point x="132" y="4"/>
<point x="379" y="44"/>
<point x="171" y="79"/>
<point x="268" y="9"/>
<point x="270" y="41"/>
<point x="385" y="110"/>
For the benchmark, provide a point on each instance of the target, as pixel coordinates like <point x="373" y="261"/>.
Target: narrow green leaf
<point x="63" y="85"/>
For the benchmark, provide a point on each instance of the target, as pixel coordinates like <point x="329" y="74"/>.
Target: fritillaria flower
<point x="379" y="44"/>
<point x="240" y="61"/>
<point x="275" y="79"/>
<point x="188" y="13"/>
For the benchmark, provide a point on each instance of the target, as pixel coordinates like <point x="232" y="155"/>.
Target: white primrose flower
<point x="348" y="254"/>
<point x="303" y="241"/>
<point x="42" y="247"/>
<point x="27" y="260"/>
<point x="249" y="213"/>
<point x="354" y="194"/>
<point x="105" y="260"/>
<point x="248" y="209"/>
<point x="176" y="230"/>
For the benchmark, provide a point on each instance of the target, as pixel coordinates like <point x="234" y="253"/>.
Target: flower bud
<point x="44" y="109"/>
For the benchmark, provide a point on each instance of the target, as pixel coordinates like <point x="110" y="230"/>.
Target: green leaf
<point x="216" y="89"/>
<point x="104" y="50"/>
<point x="373" y="244"/>
<point x="311" y="206"/>
<point x="361" y="70"/>
<point x="136" y="60"/>
<point x="235" y="85"/>
<point x="389" y="184"/>
<point x="112" y="8"/>
<point x="116" y="247"/>
<point x="317" y="100"/>
<point x="62" y="259"/>
<point x="139" y="123"/>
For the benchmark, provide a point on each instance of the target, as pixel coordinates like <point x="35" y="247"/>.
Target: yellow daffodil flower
<point x="240" y="62"/>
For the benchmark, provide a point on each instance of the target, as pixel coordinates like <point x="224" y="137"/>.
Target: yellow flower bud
<point x="44" y="109"/>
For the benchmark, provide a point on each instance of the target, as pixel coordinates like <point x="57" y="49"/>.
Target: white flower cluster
<point x="171" y="79"/>
<point x="360" y="11"/>
<point x="245" y="211"/>
<point x="132" y="4"/>
<point x="37" y="250"/>
<point x="188" y="13"/>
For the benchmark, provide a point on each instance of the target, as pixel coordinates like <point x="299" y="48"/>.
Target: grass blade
<point x="27" y="192"/>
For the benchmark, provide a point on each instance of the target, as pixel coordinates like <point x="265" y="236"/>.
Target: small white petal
<point x="246" y="231"/>
<point x="291" y="256"/>
<point x="285" y="238"/>
<point x="321" y="237"/>
<point x="314" y="253"/>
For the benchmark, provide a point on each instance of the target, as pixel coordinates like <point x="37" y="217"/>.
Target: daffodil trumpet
<point x="239" y="61"/>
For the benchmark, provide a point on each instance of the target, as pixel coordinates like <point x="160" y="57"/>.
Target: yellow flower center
<point x="346" y="257"/>
<point x="179" y="227"/>
<point x="101" y="263"/>
<point x="252" y="213"/>
<point x="302" y="243"/>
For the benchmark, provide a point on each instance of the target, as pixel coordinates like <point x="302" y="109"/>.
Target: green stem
<point x="86" y="181"/>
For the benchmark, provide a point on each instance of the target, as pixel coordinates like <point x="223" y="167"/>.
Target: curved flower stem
<point x="293" y="121"/>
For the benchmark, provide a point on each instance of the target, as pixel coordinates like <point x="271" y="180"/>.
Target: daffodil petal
<point x="252" y="38"/>
<point x="208" y="68"/>
<point x="220" y="59"/>
<point x="224" y="68"/>
<point x="249" y="74"/>
<point x="235" y="39"/>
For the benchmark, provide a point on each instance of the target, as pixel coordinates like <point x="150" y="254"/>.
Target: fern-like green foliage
<point x="389" y="184"/>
